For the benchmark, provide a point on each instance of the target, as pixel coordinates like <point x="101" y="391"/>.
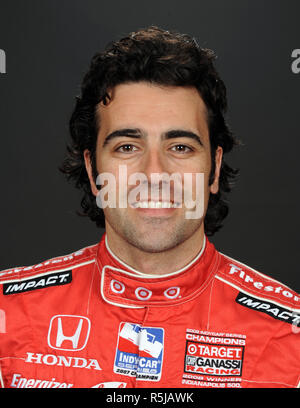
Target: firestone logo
<point x="234" y="269"/>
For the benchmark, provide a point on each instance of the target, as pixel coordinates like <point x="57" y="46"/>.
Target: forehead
<point x="153" y="108"/>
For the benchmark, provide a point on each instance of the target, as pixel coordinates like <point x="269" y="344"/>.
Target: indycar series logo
<point x="139" y="351"/>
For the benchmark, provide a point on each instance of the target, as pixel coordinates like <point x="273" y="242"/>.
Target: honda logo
<point x="68" y="332"/>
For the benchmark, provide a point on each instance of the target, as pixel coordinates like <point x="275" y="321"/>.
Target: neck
<point x="159" y="263"/>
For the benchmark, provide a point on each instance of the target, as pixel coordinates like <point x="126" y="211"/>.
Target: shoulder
<point x="59" y="266"/>
<point x="254" y="283"/>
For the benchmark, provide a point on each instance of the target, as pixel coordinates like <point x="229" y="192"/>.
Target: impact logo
<point x="139" y="352"/>
<point x="274" y="310"/>
<point x="26" y="285"/>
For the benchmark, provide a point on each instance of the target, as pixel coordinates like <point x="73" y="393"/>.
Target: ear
<point x="88" y="166"/>
<point x="214" y="187"/>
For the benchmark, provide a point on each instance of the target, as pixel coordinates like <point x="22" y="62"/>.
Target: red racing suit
<point x="89" y="320"/>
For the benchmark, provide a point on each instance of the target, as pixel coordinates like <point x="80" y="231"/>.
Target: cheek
<point x="200" y="164"/>
<point x="101" y="161"/>
<point x="105" y="163"/>
<point x="200" y="182"/>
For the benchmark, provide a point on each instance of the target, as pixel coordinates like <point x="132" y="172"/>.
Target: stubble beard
<point x="156" y="234"/>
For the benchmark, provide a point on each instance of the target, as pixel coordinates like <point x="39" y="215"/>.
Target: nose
<point x="153" y="163"/>
<point x="155" y="168"/>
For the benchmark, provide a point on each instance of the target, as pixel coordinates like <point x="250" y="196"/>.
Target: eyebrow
<point x="138" y="134"/>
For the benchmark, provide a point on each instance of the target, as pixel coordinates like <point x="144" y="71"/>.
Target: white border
<point x="146" y="275"/>
<point x="102" y="291"/>
<point x="50" y="260"/>
<point x="269" y="382"/>
<point x="29" y="277"/>
<point x="118" y="291"/>
<point x="177" y="291"/>
<point x="148" y="291"/>
<point x="1" y="379"/>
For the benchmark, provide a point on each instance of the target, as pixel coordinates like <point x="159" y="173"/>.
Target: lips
<point x="155" y="204"/>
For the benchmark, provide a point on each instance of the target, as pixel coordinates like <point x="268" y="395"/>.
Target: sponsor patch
<point x="113" y="384"/>
<point x="41" y="282"/>
<point x="139" y="352"/>
<point x="62" y="361"/>
<point x="22" y="382"/>
<point x="213" y="359"/>
<point x="68" y="332"/>
<point x="262" y="284"/>
<point x="271" y="309"/>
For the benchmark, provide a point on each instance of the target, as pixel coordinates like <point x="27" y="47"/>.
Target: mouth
<point x="155" y="209"/>
<point x="156" y="205"/>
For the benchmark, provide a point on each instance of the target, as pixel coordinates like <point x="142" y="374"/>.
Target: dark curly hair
<point x="160" y="57"/>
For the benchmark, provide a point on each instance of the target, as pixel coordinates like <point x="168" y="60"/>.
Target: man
<point x="153" y="304"/>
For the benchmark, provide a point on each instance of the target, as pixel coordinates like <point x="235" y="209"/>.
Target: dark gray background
<point x="49" y="44"/>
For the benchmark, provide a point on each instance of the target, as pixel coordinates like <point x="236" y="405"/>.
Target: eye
<point x="126" y="148"/>
<point x="181" y="148"/>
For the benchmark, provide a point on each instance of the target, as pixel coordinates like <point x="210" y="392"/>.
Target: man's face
<point x="153" y="129"/>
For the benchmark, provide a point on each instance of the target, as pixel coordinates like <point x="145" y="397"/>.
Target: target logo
<point x="143" y="293"/>
<point x="172" y="293"/>
<point x="117" y="287"/>
<point x="192" y="348"/>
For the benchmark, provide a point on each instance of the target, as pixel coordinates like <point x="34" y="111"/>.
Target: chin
<point x="154" y="247"/>
<point x="154" y="243"/>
